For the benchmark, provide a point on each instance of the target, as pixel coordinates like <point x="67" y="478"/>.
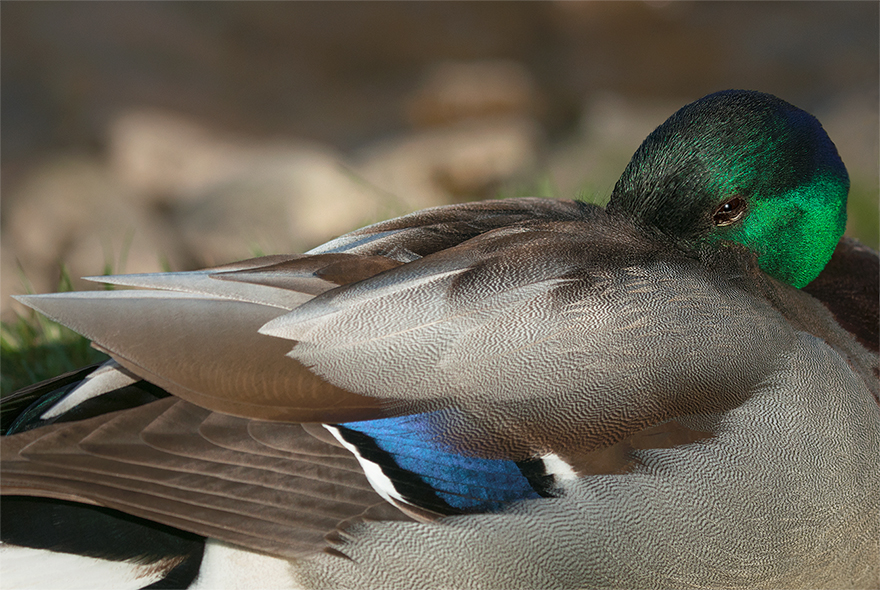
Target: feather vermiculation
<point x="518" y="393"/>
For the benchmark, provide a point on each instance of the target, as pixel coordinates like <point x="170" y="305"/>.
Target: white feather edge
<point x="380" y="482"/>
<point x="106" y="378"/>
<point x="557" y="467"/>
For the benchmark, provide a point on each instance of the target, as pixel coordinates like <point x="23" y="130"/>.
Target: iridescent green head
<point x="747" y="167"/>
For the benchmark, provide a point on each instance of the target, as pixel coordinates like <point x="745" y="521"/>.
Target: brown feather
<point x="209" y="351"/>
<point x="161" y="461"/>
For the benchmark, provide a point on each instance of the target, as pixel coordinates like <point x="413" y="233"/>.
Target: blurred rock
<point x="476" y="132"/>
<point x="611" y="128"/>
<point x="295" y="198"/>
<point x="229" y="197"/>
<point x="164" y="156"/>
<point x="72" y="210"/>
<point x="454" y="91"/>
<point x="331" y="198"/>
<point x="95" y="217"/>
<point x="174" y="193"/>
<point x="467" y="161"/>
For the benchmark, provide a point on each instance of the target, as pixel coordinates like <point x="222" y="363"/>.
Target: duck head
<point x="744" y="167"/>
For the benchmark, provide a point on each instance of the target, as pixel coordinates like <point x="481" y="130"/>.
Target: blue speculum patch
<point x="423" y="468"/>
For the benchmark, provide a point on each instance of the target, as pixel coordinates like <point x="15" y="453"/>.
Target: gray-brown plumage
<point x="518" y="393"/>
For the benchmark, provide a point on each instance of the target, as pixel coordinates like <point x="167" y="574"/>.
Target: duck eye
<point x="730" y="211"/>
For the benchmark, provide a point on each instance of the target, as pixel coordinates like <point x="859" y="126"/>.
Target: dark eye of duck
<point x="730" y="211"/>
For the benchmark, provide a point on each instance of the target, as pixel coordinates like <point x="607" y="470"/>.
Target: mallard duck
<point x="521" y="393"/>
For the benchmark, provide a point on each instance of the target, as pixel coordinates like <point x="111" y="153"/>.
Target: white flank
<point x="23" y="568"/>
<point x="226" y="567"/>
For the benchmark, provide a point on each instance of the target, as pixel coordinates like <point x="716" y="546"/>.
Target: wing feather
<point x="572" y="321"/>
<point x="205" y="349"/>
<point x="155" y="462"/>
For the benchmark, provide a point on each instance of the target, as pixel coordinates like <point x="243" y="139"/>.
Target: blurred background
<point x="144" y="136"/>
